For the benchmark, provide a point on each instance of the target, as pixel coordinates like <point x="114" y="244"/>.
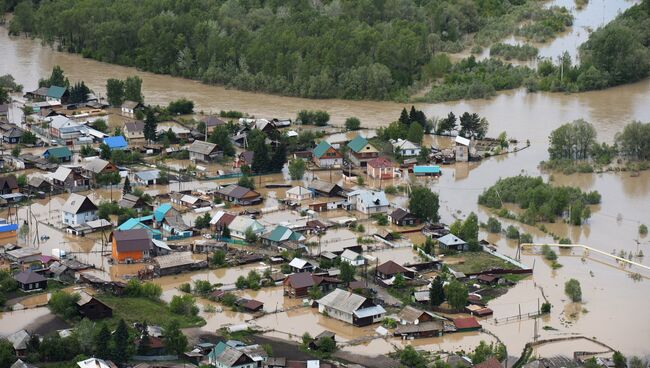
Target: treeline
<point x="344" y="48"/>
<point x="517" y="52"/>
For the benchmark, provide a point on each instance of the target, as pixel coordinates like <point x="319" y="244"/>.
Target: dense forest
<point x="353" y="49"/>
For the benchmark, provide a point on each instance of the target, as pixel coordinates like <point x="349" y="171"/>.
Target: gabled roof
<point x="134" y="126"/>
<point x="160" y="212"/>
<point x="323" y="186"/>
<point x="242" y="223"/>
<point x="96" y="363"/>
<point x="247" y="156"/>
<point x="462" y="140"/>
<point x="237" y="191"/>
<point x="56" y="92"/>
<point x="204" y="148"/>
<point x="231" y="357"/>
<point x="300" y="280"/>
<point x="391" y="268"/>
<point x="19" y="339"/>
<point x="78" y="204"/>
<point x="131" y="104"/>
<point x="58" y="152"/>
<point x="28" y="277"/>
<point x="9" y="181"/>
<point x="299" y="191"/>
<point x="61" y="173"/>
<point x="411" y="314"/>
<point x="468" y="322"/>
<point x="116" y="142"/>
<point x="60" y="121"/>
<point x="350" y="254"/>
<point x="298" y="263"/>
<point x="403" y="144"/>
<point x="451" y="239"/>
<point x="320" y="149"/>
<point x="370" y="197"/>
<point x="380" y="163"/>
<point x="283" y="233"/>
<point x="342" y="300"/>
<point x="222" y="218"/>
<point x="492" y="362"/>
<point x="400" y="214"/>
<point x="132" y="240"/>
<point x="213" y="120"/>
<point x="357" y="143"/>
<point x="96" y="166"/>
<point x="148" y="175"/>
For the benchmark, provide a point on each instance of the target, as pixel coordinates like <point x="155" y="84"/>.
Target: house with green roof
<point x="56" y="93"/>
<point x="281" y="235"/>
<point x="61" y="154"/>
<point x="324" y="155"/>
<point x="361" y="151"/>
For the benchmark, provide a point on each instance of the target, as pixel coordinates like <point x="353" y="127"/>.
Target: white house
<point x="78" y="210"/>
<point x="462" y="149"/>
<point x="351" y="308"/>
<point x="129" y="107"/>
<point x="134" y="130"/>
<point x="299" y="193"/>
<point x="353" y="258"/>
<point x="241" y="224"/>
<point x="368" y="201"/>
<point x="405" y="148"/>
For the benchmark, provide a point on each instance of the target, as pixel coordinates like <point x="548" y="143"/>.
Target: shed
<point x="92" y="308"/>
<point x="62" y="154"/>
<point x="116" y="142"/>
<point x="466" y="324"/>
<point x="452" y="242"/>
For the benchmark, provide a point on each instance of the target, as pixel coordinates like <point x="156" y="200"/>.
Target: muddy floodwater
<point x="613" y="306"/>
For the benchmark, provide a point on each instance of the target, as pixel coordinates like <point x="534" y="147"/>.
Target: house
<point x="281" y="234"/>
<point x="426" y="170"/>
<point x="405" y="148"/>
<point x="204" y="151"/>
<point x="131" y="245"/>
<point x="361" y="151"/>
<point x="314" y="343"/>
<point x="96" y="363"/>
<point x="116" y="143"/>
<point x="324" y="155"/>
<point x="230" y="357"/>
<point x="134" y="130"/>
<point x="60" y="154"/>
<point x="38" y="183"/>
<point x="23" y="255"/>
<point x="350" y="308"/>
<point x="147" y="177"/>
<point x="353" y="258"/>
<point x="466" y="324"/>
<point x="29" y="280"/>
<point x="298" y="194"/>
<point x="78" y="210"/>
<point x="250" y="305"/>
<point x="368" y="201"/>
<point x="221" y="220"/>
<point x="69" y="179"/>
<point x="452" y="242"/>
<point x="98" y="166"/>
<point x="325" y="188"/>
<point x="381" y="168"/>
<point x="58" y="94"/>
<point x="129" y="108"/>
<point x="141" y="223"/>
<point x="244" y="158"/>
<point x="462" y="148"/>
<point x="211" y="122"/>
<point x="459" y="361"/>
<point x="300" y="265"/>
<point x="390" y="269"/>
<point x="241" y="224"/>
<point x="171" y="220"/>
<point x="65" y="129"/>
<point x="20" y="364"/>
<point x="402" y="217"/>
<point x="92" y="308"/>
<point x="297" y="285"/>
<point x="413" y="316"/>
<point x="134" y="202"/>
<point x="239" y="195"/>
<point x="491" y="362"/>
<point x="11" y="134"/>
<point x="188" y="201"/>
<point x="425" y="329"/>
<point x="20" y="342"/>
<point x="8" y="184"/>
<point x="36" y="95"/>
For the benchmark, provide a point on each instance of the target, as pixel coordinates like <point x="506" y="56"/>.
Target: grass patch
<point x="142" y="309"/>
<point x="473" y="262"/>
<point x="515" y="277"/>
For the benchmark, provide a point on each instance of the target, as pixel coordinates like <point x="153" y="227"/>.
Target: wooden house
<point x="361" y="151"/>
<point x="402" y="217"/>
<point x="324" y="155"/>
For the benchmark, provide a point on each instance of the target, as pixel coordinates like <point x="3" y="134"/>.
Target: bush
<point x="64" y="304"/>
<point x="318" y="117"/>
<point x="643" y="229"/>
<point x="183" y="305"/>
<point x="352" y="123"/>
<point x="493" y="225"/>
<point x="512" y="232"/>
<point x="572" y="290"/>
<point x="181" y="107"/>
<point x="185" y="287"/>
<point x="546" y="308"/>
<point x="548" y="253"/>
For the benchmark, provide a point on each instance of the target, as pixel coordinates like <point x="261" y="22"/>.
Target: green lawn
<point x="142" y="309"/>
<point x="473" y="262"/>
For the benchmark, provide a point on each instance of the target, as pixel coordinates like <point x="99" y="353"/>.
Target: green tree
<point x="100" y="124"/>
<point x="79" y="93"/>
<point x="472" y="126"/>
<point x="4" y="96"/>
<point x="399" y="282"/>
<point x="573" y="291"/>
<point x="424" y="204"/>
<point x="456" y="294"/>
<point x="121" y="343"/>
<point x="247" y="182"/>
<point x="175" y="340"/>
<point x="315" y="292"/>
<point x="643" y="229"/>
<point x="404" y="117"/>
<point x="469" y="230"/>
<point x="126" y="188"/>
<point x="327" y="345"/>
<point x="493" y="225"/>
<point x="28" y="138"/>
<point x="241" y="283"/>
<point x="225" y="232"/>
<point x="104" y="151"/>
<point x="409" y="357"/>
<point x="250" y="236"/>
<point x="7" y="354"/>
<point x="218" y="258"/>
<point x="619" y="360"/>
<point x="546" y="308"/>
<point x="102" y="342"/>
<point x="150" y="126"/>
<point x="143" y="344"/>
<point x="348" y="272"/>
<point x="15" y="152"/>
<point x="221" y="137"/>
<point x="57" y="78"/>
<point x="572" y="141"/>
<point x="447" y="124"/>
<point x="115" y="92"/>
<point x="64" y="304"/>
<point x="352" y="123"/>
<point x="297" y="169"/>
<point x="279" y="158"/>
<point x="133" y="89"/>
<point x="184" y="305"/>
<point x="415" y="133"/>
<point x="436" y="292"/>
<point x="181" y="107"/>
<point x="203" y="222"/>
<point x="634" y="141"/>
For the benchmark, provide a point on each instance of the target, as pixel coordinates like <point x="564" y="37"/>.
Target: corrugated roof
<point x="116" y="142"/>
<point x="426" y="169"/>
<point x="370" y="311"/>
<point x="204" y="148"/>
<point x="56" y="92"/>
<point x="451" y="240"/>
<point x="77" y="203"/>
<point x="58" y="152"/>
<point x="300" y="280"/>
<point x="380" y="163"/>
<point x="148" y="175"/>
<point x="342" y="300"/>
<point x="132" y="240"/>
<point x="160" y="212"/>
<point x="320" y="149"/>
<point x="357" y="143"/>
<point x="29" y="277"/>
<point x="96" y="165"/>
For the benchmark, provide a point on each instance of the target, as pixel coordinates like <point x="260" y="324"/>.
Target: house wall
<point x="328" y="162"/>
<point x="462" y="153"/>
<point x="133" y="135"/>
<point x="337" y="314"/>
<point x="34" y="286"/>
<point x="79" y="218"/>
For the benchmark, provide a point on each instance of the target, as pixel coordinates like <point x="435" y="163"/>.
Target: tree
<point x="409" y="357"/>
<point x="218" y="258"/>
<point x="399" y="281"/>
<point x="472" y="126"/>
<point x="436" y="292"/>
<point x="221" y="137"/>
<point x="327" y="345"/>
<point x="104" y="151"/>
<point x="203" y="222"/>
<point x="352" y="123"/>
<point x="447" y="124"/>
<point x="279" y="158"/>
<point x="115" y="92"/>
<point x="100" y="124"/>
<point x="184" y="305"/>
<point x="619" y="360"/>
<point x="572" y="290"/>
<point x="546" y="308"/>
<point x="297" y="169"/>
<point x="348" y="272"/>
<point x="321" y="118"/>
<point x="64" y="304"/>
<point x="643" y="229"/>
<point x="102" y="340"/>
<point x="143" y="344"/>
<point x="415" y="133"/>
<point x="635" y="361"/>
<point x="126" y="189"/>
<point x="241" y="283"/>
<point x="424" y="204"/>
<point x="4" y="95"/>
<point x="456" y="294"/>
<point x="247" y="182"/>
<point x="7" y="354"/>
<point x="175" y="340"/>
<point x="15" y="152"/>
<point x="79" y="93"/>
<point x="28" y="138"/>
<point x="121" y="343"/>
<point x="253" y="280"/>
<point x="133" y="89"/>
<point x="57" y="78"/>
<point x="572" y="141"/>
<point x="250" y="236"/>
<point x="315" y="292"/>
<point x="261" y="158"/>
<point x="404" y="117"/>
<point x="469" y="230"/>
<point x="493" y="225"/>
<point x="634" y="141"/>
<point x="225" y="232"/>
<point x="181" y="107"/>
<point x="202" y="287"/>
<point x="150" y="126"/>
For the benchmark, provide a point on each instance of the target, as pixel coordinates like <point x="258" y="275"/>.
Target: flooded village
<point x="254" y="231"/>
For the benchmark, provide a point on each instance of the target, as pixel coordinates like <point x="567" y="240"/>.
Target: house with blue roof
<point x="426" y="170"/>
<point x="117" y="142"/>
<point x="139" y="223"/>
<point x="171" y="221"/>
<point x="61" y="154"/>
<point x="361" y="151"/>
<point x="56" y="93"/>
<point x="324" y="155"/>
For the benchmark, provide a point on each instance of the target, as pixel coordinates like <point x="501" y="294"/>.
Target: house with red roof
<point x="381" y="168"/>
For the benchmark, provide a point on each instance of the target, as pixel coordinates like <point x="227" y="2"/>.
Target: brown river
<point x="611" y="310"/>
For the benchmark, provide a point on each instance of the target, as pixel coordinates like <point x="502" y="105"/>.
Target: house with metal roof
<point x="241" y="224"/>
<point x="140" y="223"/>
<point x="20" y="342"/>
<point x="452" y="242"/>
<point x="405" y="148"/>
<point x="221" y="220"/>
<point x="402" y="217"/>
<point x="352" y="257"/>
<point x="298" y="194"/>
<point x="324" y="188"/>
<point x="171" y="220"/>
<point x="462" y="148"/>
<point x="78" y="210"/>
<point x="61" y="154"/>
<point x="204" y="151"/>
<point x="361" y="151"/>
<point x="129" y="108"/>
<point x="57" y="94"/>
<point x="30" y="280"/>
<point x="239" y="195"/>
<point x="301" y="265"/>
<point x="146" y="177"/>
<point x="368" y="201"/>
<point x="69" y="179"/>
<point x="131" y="245"/>
<point x="280" y="235"/>
<point x="390" y="269"/>
<point x="351" y="308"/>
<point x="381" y="168"/>
<point x="116" y="142"/>
<point x="324" y="155"/>
<point x="426" y="170"/>
<point x="134" y="130"/>
<point x="298" y="284"/>
<point x="63" y="128"/>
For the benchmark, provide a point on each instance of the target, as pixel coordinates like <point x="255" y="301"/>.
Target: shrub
<point x="572" y="290"/>
<point x="493" y="225"/>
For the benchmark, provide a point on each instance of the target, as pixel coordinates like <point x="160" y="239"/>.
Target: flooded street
<point x="612" y="299"/>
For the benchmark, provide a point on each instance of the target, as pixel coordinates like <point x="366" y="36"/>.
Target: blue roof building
<point x="423" y="170"/>
<point x="160" y="212"/>
<point x="117" y="142"/>
<point x="137" y="223"/>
